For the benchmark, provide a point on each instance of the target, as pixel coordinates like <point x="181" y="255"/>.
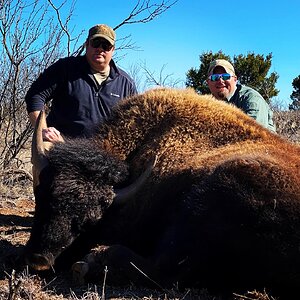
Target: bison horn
<point x="38" y="157"/>
<point x="121" y="195"/>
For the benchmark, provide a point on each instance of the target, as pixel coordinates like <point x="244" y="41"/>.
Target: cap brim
<point x="227" y="70"/>
<point x="102" y="36"/>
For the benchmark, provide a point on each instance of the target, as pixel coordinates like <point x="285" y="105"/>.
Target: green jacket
<point x="254" y="105"/>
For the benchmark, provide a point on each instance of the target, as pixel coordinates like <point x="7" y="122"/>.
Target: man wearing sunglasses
<point x="223" y="84"/>
<point x="82" y="89"/>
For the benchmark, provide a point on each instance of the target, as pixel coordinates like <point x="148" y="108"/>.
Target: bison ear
<point x="76" y="227"/>
<point x="121" y="195"/>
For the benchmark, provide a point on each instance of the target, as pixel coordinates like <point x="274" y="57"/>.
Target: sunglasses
<point x="216" y="77"/>
<point x="101" y="43"/>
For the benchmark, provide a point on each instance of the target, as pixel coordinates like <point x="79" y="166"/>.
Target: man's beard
<point x="222" y="96"/>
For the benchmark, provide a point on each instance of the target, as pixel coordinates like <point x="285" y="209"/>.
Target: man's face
<point x="99" y="53"/>
<point x="221" y="88"/>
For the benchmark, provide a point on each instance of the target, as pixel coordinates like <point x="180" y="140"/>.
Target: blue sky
<point x="177" y="38"/>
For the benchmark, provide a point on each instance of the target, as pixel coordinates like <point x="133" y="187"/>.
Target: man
<point x="83" y="89"/>
<point x="223" y="84"/>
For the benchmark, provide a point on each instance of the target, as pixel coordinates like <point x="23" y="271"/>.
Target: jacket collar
<point x="114" y="70"/>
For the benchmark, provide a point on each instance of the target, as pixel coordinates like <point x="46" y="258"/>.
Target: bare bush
<point x="288" y="124"/>
<point x="31" y="40"/>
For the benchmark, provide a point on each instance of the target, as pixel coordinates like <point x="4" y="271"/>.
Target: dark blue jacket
<point x="78" y="104"/>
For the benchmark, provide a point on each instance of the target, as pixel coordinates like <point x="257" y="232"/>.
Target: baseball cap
<point x="221" y="63"/>
<point x="104" y="31"/>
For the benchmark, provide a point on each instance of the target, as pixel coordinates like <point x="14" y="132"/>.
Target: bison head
<point x="74" y="185"/>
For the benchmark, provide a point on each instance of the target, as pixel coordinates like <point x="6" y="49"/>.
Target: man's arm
<point x="257" y="108"/>
<point x="50" y="134"/>
<point x="33" y="117"/>
<point x="40" y="92"/>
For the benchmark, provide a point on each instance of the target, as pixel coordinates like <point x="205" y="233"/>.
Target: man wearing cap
<point x="83" y="89"/>
<point x="223" y="84"/>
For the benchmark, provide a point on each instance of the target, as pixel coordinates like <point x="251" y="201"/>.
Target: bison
<point x="219" y="207"/>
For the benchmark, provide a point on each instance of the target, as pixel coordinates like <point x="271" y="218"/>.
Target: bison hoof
<point x="79" y="270"/>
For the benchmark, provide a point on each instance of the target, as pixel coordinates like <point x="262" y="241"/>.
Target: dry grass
<point x="28" y="287"/>
<point x="16" y="213"/>
<point x="288" y="124"/>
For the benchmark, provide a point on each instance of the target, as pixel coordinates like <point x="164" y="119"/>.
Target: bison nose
<point x="40" y="262"/>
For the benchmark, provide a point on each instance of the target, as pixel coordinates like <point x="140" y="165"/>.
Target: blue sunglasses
<point x="216" y="77"/>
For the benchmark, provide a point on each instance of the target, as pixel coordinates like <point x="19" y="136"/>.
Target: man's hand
<point x="51" y="134"/>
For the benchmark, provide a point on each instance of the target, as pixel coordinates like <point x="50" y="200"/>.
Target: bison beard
<point x="220" y="209"/>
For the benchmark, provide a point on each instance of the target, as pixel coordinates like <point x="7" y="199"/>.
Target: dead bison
<point x="221" y="207"/>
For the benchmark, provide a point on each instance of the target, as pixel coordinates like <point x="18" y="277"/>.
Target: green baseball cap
<point x="104" y="31"/>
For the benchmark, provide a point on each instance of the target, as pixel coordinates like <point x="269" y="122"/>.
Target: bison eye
<point x="75" y="226"/>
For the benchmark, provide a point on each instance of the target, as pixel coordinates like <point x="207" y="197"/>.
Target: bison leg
<point x="123" y="267"/>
